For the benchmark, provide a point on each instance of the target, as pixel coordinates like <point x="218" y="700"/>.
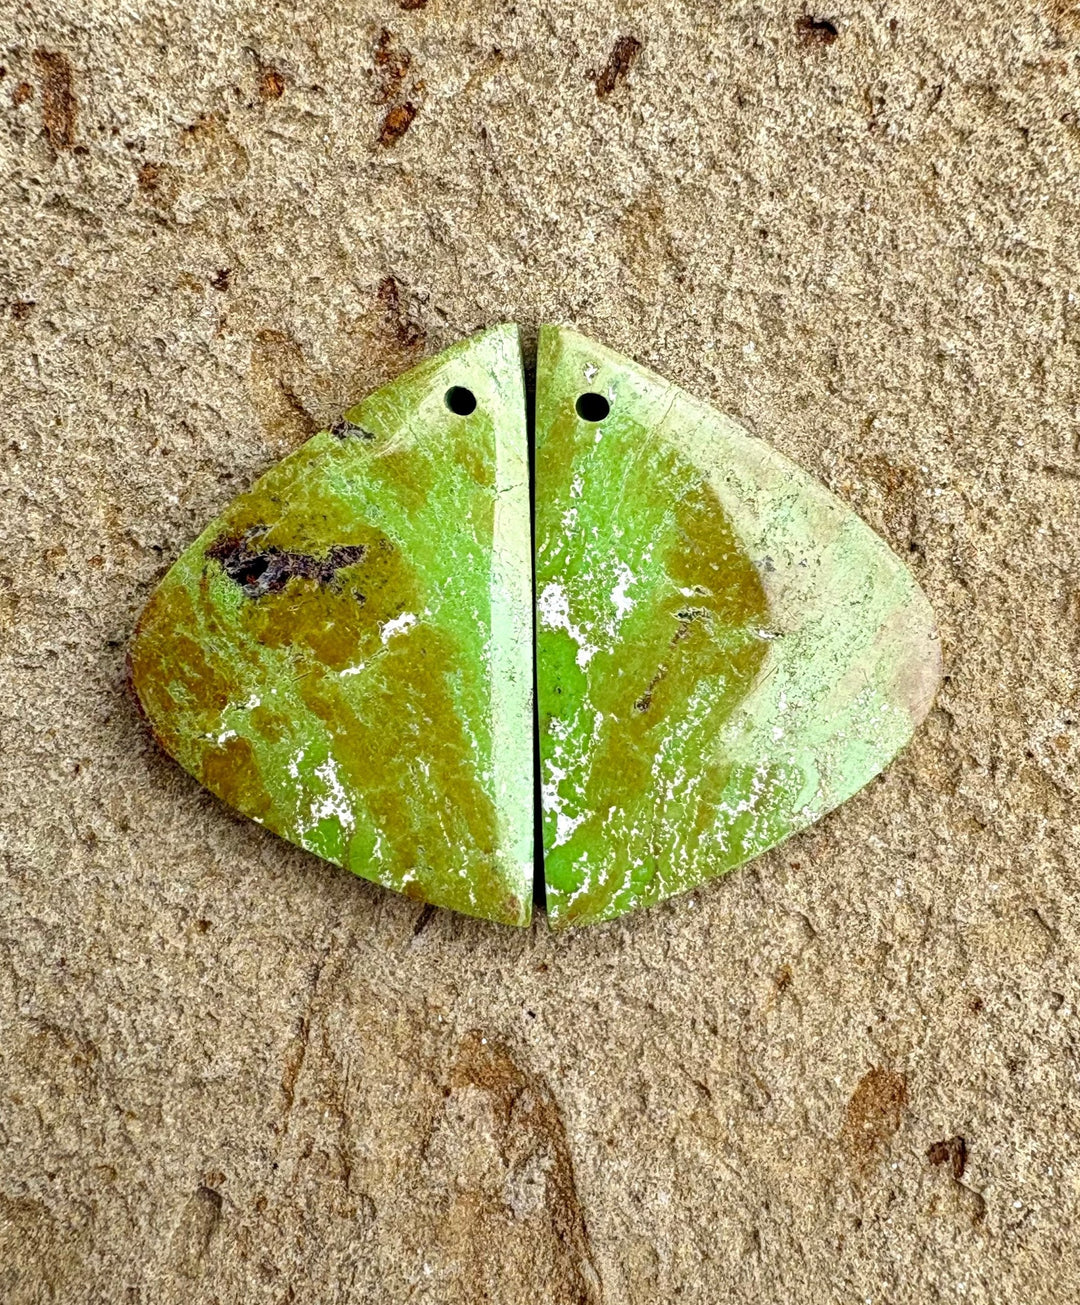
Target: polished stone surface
<point x="344" y="654"/>
<point x="724" y="650"/>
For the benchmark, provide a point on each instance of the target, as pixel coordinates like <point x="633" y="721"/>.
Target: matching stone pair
<point x="721" y="650"/>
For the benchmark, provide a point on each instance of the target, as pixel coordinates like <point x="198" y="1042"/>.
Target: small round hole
<point x="460" y="400"/>
<point x="592" y="407"/>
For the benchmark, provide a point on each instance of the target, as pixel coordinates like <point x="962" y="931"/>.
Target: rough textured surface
<point x="344" y="655"/>
<point x="231" y="1073"/>
<point x="725" y="652"/>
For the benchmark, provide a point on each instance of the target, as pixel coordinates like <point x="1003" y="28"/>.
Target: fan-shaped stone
<point x="724" y="650"/>
<point x="345" y="654"/>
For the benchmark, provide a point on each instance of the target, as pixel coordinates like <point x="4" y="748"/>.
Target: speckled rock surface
<point x="847" y="1073"/>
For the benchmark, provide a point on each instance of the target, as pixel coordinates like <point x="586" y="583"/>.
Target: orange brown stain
<point x="391" y="63"/>
<point x="873" y="1115"/>
<point x="528" y="1130"/>
<point x="625" y="50"/>
<point x="396" y="123"/>
<point x="59" y="108"/>
<point x="271" y="84"/>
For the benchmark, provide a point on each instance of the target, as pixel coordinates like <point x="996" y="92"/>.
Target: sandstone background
<point x="847" y="1073"/>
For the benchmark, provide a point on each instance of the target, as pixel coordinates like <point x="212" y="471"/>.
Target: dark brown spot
<point x="951" y="1151"/>
<point x="425" y="917"/>
<point x="21" y="309"/>
<point x="209" y="1197"/>
<point x="206" y="124"/>
<point x="411" y="4"/>
<point x="269" y="571"/>
<point x="816" y="31"/>
<point x="149" y="176"/>
<point x="396" y="123"/>
<point x="271" y="84"/>
<point x="220" y="279"/>
<point x="58" y="105"/>
<point x="625" y="50"/>
<point x="408" y="332"/>
<point x="23" y="92"/>
<point x="343" y="430"/>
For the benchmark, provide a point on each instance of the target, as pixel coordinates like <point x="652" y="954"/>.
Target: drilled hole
<point x="460" y="400"/>
<point x="592" y="407"/>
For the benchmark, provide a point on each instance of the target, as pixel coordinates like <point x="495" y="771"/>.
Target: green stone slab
<point x="345" y="654"/>
<point x="724" y="650"/>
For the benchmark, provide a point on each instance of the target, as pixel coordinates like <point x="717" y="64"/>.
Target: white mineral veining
<point x="354" y="670"/>
<point x="554" y="608"/>
<point x="564" y="828"/>
<point x="560" y="729"/>
<point x="577" y="485"/>
<point x="623" y="604"/>
<point x="397" y="626"/>
<point x="335" y="802"/>
<point x="552" y="802"/>
<point x="550" y="799"/>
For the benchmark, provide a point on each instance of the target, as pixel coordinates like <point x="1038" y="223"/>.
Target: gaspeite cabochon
<point x="723" y="650"/>
<point x="345" y="655"/>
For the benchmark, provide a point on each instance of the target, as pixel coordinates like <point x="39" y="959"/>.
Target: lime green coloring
<point x="345" y="654"/>
<point x="724" y="650"/>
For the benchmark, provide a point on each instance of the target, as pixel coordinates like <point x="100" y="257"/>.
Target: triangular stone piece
<point x="724" y="650"/>
<point x="345" y="654"/>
